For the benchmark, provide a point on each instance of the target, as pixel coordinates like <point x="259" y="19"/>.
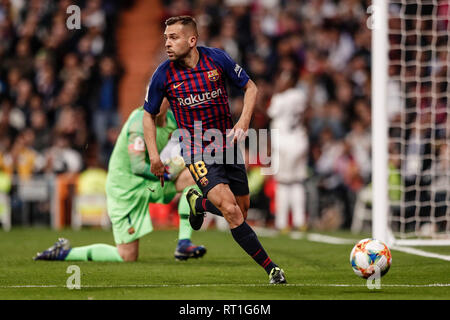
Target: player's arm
<point x="152" y="106"/>
<point x="240" y="79"/>
<point x="150" y="122"/>
<point x="241" y="127"/>
<point x="138" y="157"/>
<point x="156" y="165"/>
<point x="160" y="119"/>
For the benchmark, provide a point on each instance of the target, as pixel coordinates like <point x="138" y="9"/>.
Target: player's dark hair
<point x="185" y="21"/>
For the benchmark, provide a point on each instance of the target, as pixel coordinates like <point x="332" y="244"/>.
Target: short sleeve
<point x="155" y="91"/>
<point x="234" y="72"/>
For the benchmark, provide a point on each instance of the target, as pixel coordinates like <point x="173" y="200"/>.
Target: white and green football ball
<point x="368" y="255"/>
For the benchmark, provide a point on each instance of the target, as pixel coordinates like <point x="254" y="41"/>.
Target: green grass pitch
<point x="314" y="270"/>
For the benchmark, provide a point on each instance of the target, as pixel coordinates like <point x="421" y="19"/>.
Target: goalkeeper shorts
<point x="129" y="214"/>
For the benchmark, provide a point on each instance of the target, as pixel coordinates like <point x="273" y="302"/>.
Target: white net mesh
<point x="419" y="122"/>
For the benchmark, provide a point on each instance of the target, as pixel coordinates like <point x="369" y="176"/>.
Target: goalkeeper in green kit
<point x="130" y="187"/>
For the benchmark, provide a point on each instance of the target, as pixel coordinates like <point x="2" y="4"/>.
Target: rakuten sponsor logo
<point x="194" y="100"/>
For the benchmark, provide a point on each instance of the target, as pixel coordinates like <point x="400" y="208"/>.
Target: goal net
<point x="417" y="107"/>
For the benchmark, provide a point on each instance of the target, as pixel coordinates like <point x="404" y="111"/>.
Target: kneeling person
<point x="130" y="188"/>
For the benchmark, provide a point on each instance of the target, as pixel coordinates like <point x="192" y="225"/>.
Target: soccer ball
<point x="368" y="255"/>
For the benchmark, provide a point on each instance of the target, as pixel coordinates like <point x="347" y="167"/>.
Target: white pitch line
<point x="227" y="285"/>
<point x="315" y="237"/>
<point x="421" y="253"/>
<point x="328" y="239"/>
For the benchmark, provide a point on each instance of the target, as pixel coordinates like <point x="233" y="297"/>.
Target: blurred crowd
<point x="58" y="86"/>
<point x="58" y="94"/>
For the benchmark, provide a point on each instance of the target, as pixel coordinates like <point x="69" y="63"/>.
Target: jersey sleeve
<point x="233" y="71"/>
<point x="155" y="91"/>
<point x="140" y="165"/>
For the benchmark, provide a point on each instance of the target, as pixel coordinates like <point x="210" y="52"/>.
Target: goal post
<point x="380" y="205"/>
<point x="410" y="121"/>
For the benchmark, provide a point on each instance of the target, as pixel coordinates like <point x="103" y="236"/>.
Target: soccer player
<point x="286" y="109"/>
<point x="193" y="81"/>
<point x="130" y="187"/>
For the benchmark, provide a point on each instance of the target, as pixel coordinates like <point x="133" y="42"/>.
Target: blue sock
<point x="184" y="242"/>
<point x="204" y="205"/>
<point x="248" y="240"/>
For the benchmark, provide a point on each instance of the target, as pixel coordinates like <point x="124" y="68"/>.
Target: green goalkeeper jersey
<point x="130" y="186"/>
<point x="129" y="165"/>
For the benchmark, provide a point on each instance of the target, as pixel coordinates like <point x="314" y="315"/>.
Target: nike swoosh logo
<point x="177" y="85"/>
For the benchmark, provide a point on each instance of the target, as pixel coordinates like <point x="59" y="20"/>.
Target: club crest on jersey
<point x="213" y="75"/>
<point x="204" y="181"/>
<point x="139" y="144"/>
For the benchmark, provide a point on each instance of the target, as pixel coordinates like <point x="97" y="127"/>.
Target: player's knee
<point x="227" y="204"/>
<point x="235" y="221"/>
<point x="232" y="214"/>
<point x="226" y="207"/>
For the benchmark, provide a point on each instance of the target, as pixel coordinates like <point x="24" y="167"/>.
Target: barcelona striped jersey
<point x="197" y="96"/>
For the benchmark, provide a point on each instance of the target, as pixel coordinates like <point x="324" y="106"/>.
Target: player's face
<point x="178" y="41"/>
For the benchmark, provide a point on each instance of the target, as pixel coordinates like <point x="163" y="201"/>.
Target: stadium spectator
<point x="21" y="159"/>
<point x="359" y="139"/>
<point x="440" y="184"/>
<point x="106" y="114"/>
<point x="22" y="60"/>
<point x="39" y="124"/>
<point x="61" y="157"/>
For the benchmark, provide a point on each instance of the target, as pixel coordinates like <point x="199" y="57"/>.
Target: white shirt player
<point x="286" y="111"/>
<point x="290" y="151"/>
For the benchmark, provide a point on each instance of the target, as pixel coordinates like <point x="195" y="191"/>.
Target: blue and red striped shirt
<point x="197" y="95"/>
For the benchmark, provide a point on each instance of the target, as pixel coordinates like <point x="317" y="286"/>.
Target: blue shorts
<point x="233" y="173"/>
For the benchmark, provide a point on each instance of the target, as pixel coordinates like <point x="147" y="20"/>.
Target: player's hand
<point x="238" y="133"/>
<point x="158" y="169"/>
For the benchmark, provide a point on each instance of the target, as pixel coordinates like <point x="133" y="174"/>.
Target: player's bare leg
<point x="223" y="198"/>
<point x="184" y="180"/>
<point x="185" y="248"/>
<point x="129" y="251"/>
<point x="199" y="205"/>
<point x="63" y="251"/>
<point x="244" y="204"/>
